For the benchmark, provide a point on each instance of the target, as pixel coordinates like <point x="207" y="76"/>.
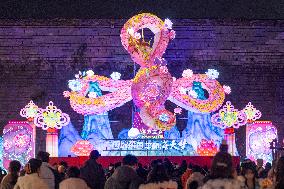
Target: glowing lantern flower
<point x="212" y="74"/>
<point x="66" y="94"/>
<point x="90" y="73"/>
<point x="137" y="36"/>
<point x="228" y="117"/>
<point x="178" y="110"/>
<point x="115" y="76"/>
<point x="168" y="24"/>
<point x="251" y="112"/>
<point x="187" y="73"/>
<point x="130" y="31"/>
<point x="92" y="95"/>
<point x="163" y="69"/>
<point x="193" y="94"/>
<point x="183" y="90"/>
<point x="29" y="111"/>
<point x="7" y="145"/>
<point x="227" y="89"/>
<point x="51" y="117"/>
<point x="133" y="133"/>
<point x="207" y="148"/>
<point x="21" y="140"/>
<point x="164" y="117"/>
<point x="75" y="85"/>
<point x="172" y="34"/>
<point x="82" y="148"/>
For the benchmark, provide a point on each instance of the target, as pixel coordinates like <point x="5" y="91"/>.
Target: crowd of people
<point x="130" y="174"/>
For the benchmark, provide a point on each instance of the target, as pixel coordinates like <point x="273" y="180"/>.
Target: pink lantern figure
<point x="51" y="119"/>
<point x="18" y="142"/>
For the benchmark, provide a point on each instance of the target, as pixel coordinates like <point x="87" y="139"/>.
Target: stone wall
<point x="37" y="58"/>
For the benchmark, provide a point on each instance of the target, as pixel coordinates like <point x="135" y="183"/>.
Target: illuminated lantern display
<point x="51" y="118"/>
<point x="149" y="89"/>
<point x="251" y="112"/>
<point x="229" y="118"/>
<point x="259" y="134"/>
<point x="82" y="148"/>
<point x="152" y="85"/>
<point x="18" y="142"/>
<point x="207" y="148"/>
<point x="29" y="112"/>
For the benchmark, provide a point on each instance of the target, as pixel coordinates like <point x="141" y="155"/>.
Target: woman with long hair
<point x="221" y="174"/>
<point x="31" y="180"/>
<point x="158" y="179"/>
<point x="249" y="175"/>
<point x="10" y="180"/>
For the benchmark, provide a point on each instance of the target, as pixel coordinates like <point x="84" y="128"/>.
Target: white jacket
<point x="47" y="175"/>
<point x="223" y="184"/>
<point x="30" y="181"/>
<point x="161" y="185"/>
<point x="73" y="183"/>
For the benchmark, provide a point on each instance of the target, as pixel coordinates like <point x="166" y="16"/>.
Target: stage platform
<point x="145" y="160"/>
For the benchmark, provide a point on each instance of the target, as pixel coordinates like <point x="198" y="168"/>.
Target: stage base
<point x="144" y="160"/>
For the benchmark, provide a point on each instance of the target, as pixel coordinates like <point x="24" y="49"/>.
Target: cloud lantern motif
<point x="75" y="85"/>
<point x="228" y="117"/>
<point x="251" y="112"/>
<point x="51" y="118"/>
<point x="29" y="111"/>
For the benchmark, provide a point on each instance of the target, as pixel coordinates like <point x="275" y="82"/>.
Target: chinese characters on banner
<point x="146" y="145"/>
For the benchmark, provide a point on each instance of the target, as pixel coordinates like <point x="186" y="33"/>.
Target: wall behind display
<point x="37" y="58"/>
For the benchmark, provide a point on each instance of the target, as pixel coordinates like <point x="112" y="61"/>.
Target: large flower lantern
<point x="51" y="119"/>
<point x="229" y="118"/>
<point x="207" y="148"/>
<point x="151" y="86"/>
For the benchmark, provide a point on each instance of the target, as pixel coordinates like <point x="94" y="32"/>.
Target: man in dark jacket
<point x="125" y="176"/>
<point x="93" y="172"/>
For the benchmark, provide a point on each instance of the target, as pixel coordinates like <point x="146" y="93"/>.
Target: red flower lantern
<point x="207" y="148"/>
